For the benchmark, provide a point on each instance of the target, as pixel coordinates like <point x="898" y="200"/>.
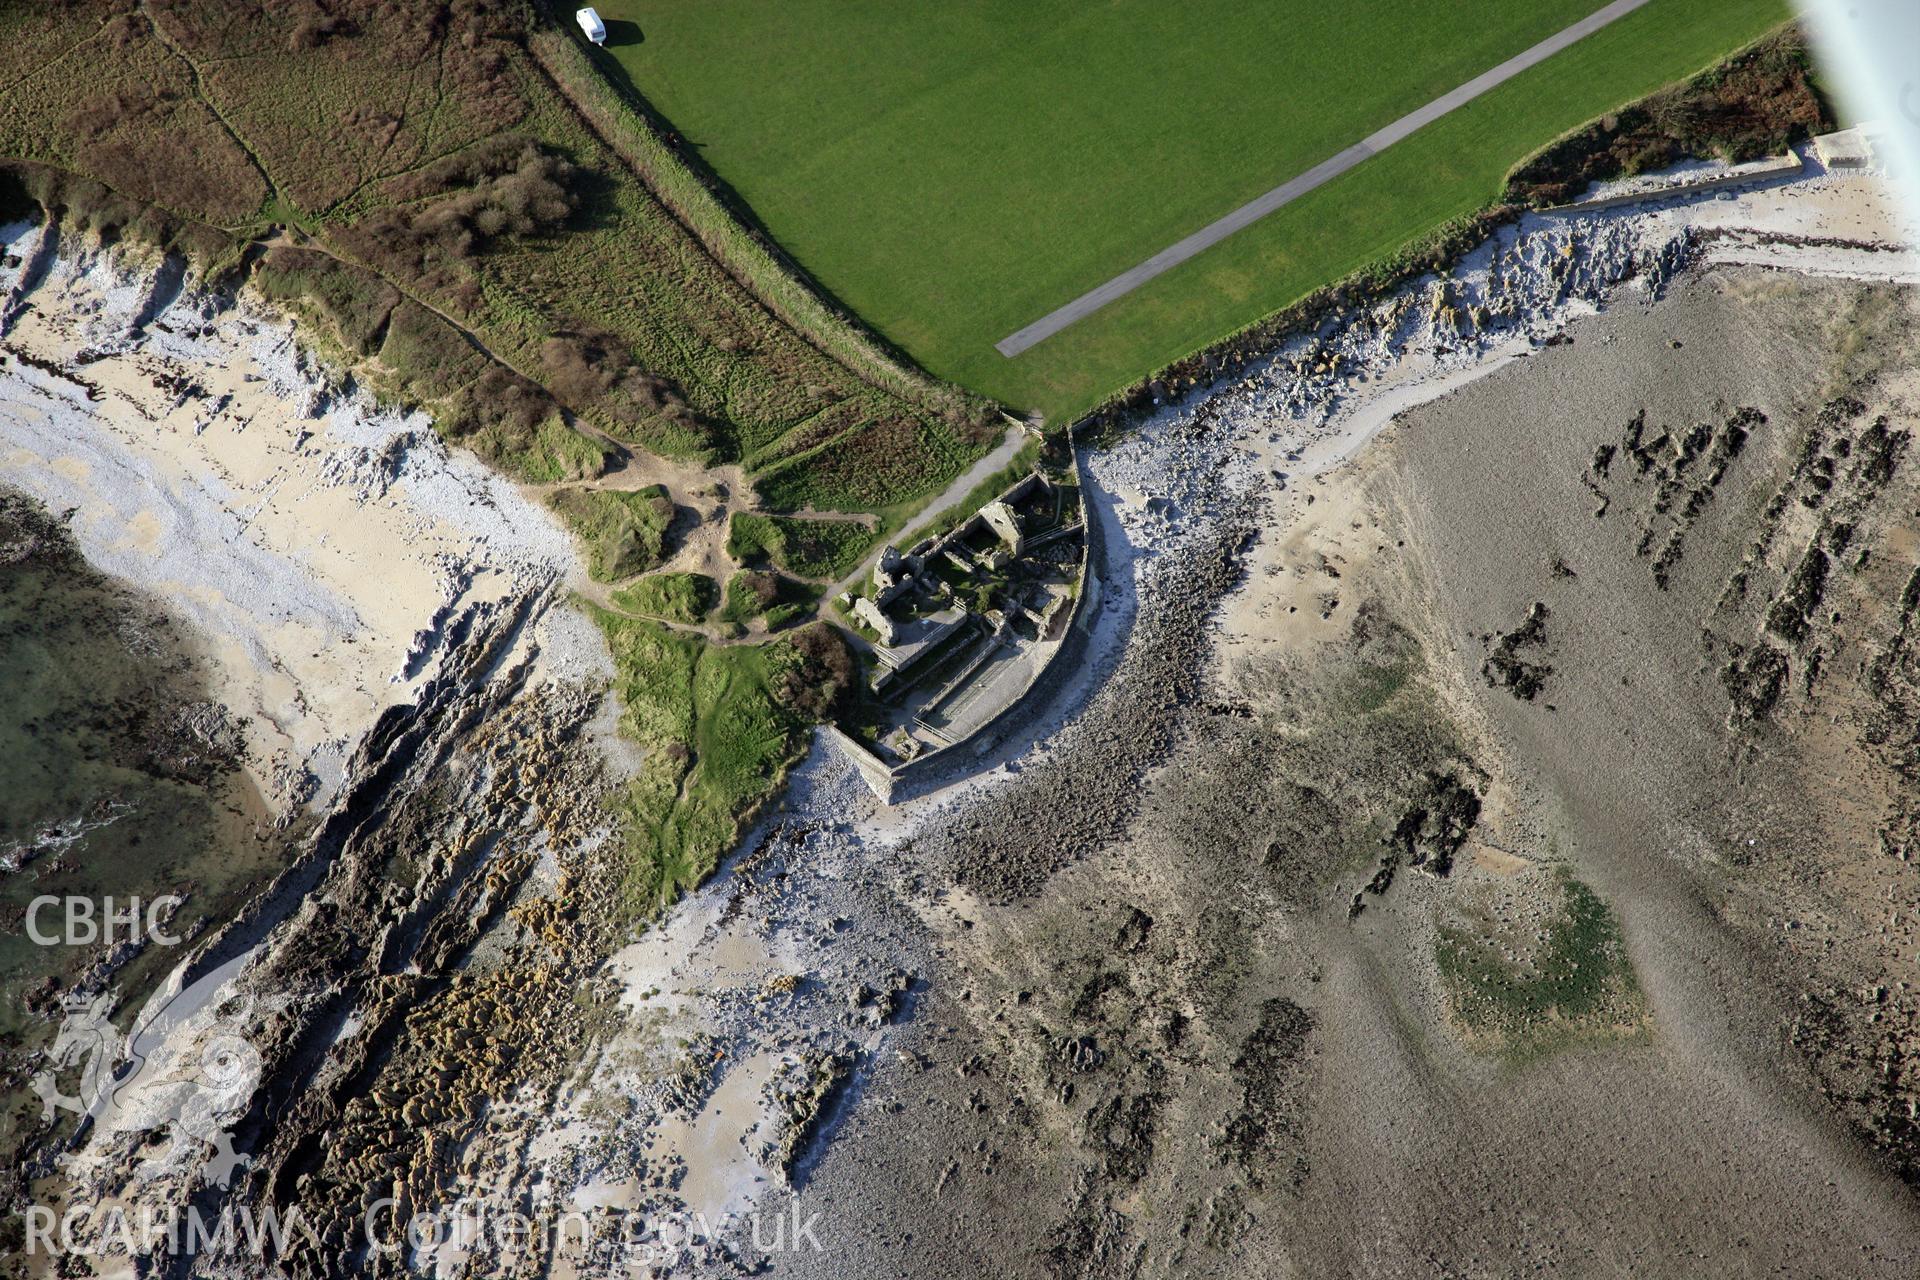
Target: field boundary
<point x="1205" y="365"/>
<point x="627" y="130"/>
<point x="1326" y="171"/>
<point x="1772" y="169"/>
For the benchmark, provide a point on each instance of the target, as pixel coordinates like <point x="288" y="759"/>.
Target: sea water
<point x="119" y="780"/>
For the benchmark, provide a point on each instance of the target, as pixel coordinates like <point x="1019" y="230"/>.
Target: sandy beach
<point x="317" y="541"/>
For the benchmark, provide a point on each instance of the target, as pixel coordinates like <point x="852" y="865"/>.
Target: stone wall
<point x="885" y="779"/>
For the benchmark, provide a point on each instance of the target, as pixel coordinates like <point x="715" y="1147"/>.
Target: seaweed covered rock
<point x="1505" y="668"/>
<point x="1434" y="827"/>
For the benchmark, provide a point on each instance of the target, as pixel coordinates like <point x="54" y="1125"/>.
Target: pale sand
<point x="315" y="540"/>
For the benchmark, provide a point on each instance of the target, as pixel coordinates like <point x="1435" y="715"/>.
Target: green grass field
<point x="954" y="172"/>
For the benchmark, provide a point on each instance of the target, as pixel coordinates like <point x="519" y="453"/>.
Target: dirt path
<point x="954" y="494"/>
<point x="703" y="547"/>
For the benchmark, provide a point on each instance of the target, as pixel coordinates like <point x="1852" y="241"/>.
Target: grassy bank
<point x="721" y="725"/>
<point x="810" y="548"/>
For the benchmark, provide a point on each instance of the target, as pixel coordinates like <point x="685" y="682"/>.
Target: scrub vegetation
<point x="676" y="597"/>
<point x="807" y="548"/>
<point x="417" y="177"/>
<point x="755" y="593"/>
<point x="624" y="531"/>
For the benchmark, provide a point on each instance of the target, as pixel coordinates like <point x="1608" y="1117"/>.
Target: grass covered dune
<point x="954" y="172"/>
